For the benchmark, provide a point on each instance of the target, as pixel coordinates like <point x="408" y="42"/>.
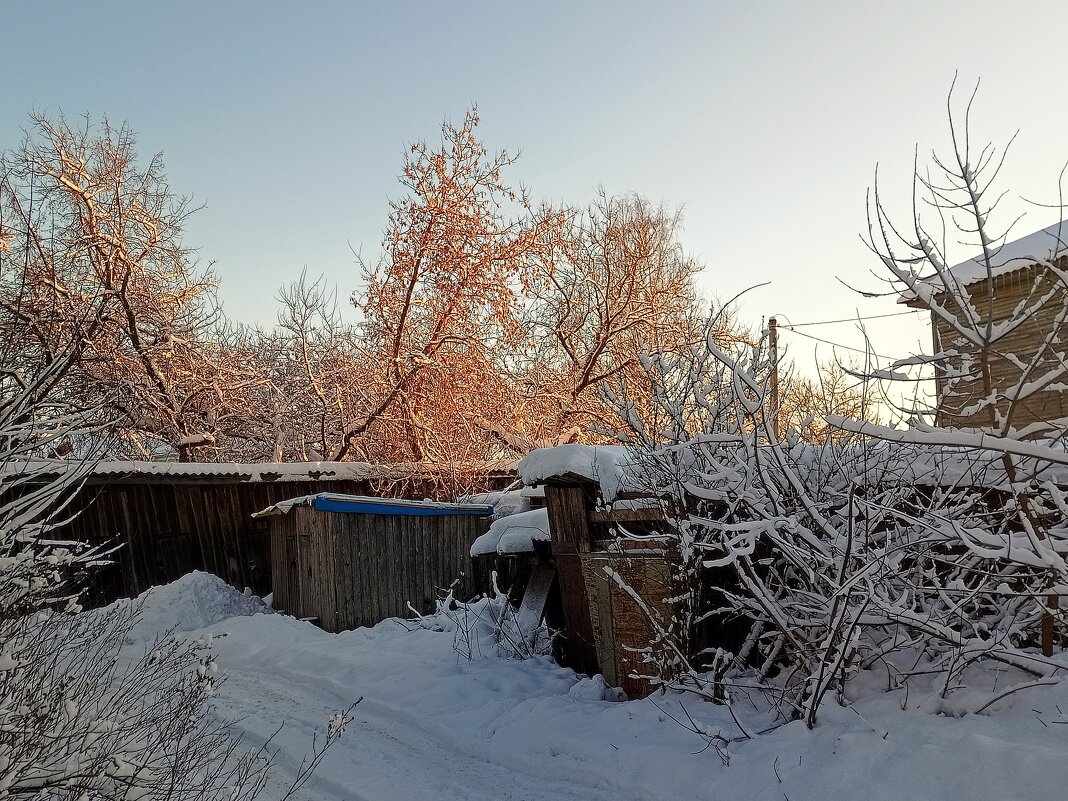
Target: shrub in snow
<point x="488" y="626"/>
<point x="838" y="557"/>
<point x="81" y="716"/>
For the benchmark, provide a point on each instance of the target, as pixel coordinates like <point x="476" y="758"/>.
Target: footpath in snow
<point x="433" y="725"/>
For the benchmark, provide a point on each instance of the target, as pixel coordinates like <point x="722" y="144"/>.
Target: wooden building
<point x="347" y="561"/>
<point x="1029" y="272"/>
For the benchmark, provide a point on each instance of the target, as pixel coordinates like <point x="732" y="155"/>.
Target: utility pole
<point x="773" y="381"/>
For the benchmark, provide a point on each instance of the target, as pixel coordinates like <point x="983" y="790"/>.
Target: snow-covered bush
<point x="919" y="550"/>
<point x="82" y="716"/>
<point x="487" y="626"/>
<point x="838" y="557"/>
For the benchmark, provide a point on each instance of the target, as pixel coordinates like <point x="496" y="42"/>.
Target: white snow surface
<point x="514" y="534"/>
<point x="608" y="465"/>
<point x="1046" y="244"/>
<point x="435" y="726"/>
<point x="194" y="601"/>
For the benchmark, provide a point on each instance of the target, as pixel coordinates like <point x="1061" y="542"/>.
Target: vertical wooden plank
<point x="442" y="579"/>
<point x="372" y="537"/>
<point x="397" y="591"/>
<point x="211" y="534"/>
<point x="328" y="576"/>
<point x="306" y="605"/>
<point x="567" y="509"/>
<point x="342" y="575"/>
<point x="236" y="558"/>
<point x="430" y="539"/>
<point x="383" y="553"/>
<point x="132" y="558"/>
<point x="355" y="578"/>
<point x="194" y="500"/>
<point x="412" y="542"/>
<point x="363" y="599"/>
<point x="393" y="556"/>
<point x="361" y="589"/>
<point x="276" y="527"/>
<point x="454" y="565"/>
<point x="604" y="628"/>
<point x="579" y="647"/>
<point x="293" y="561"/>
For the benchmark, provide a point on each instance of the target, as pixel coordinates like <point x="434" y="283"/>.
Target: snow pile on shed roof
<point x="1044" y="245"/>
<point x="607" y="465"/>
<point x="514" y="534"/>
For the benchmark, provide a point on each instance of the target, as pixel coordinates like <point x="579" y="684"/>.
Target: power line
<point x="854" y="319"/>
<point x="838" y="344"/>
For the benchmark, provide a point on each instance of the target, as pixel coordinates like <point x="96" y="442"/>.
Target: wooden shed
<point x="349" y="561"/>
<point x="606" y="630"/>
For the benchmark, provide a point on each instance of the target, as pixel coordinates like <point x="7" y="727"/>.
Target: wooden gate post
<point x="569" y="529"/>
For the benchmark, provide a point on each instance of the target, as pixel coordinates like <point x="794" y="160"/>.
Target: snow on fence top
<point x="607" y="465"/>
<point x="513" y="534"/>
<point x="367" y="505"/>
<point x="266" y="471"/>
<point x="256" y="472"/>
<point x="617" y="469"/>
<point x="1044" y="245"/>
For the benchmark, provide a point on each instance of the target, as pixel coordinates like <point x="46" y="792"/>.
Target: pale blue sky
<point x="764" y="120"/>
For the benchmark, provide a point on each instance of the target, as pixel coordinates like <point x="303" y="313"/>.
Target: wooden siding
<point x="165" y="529"/>
<point x="1009" y="291"/>
<point x="352" y="570"/>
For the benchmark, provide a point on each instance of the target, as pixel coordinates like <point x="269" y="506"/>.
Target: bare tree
<point x="618" y="284"/>
<point x="923" y="550"/>
<point x="94" y="256"/>
<point x="442" y="300"/>
<point x="805" y="403"/>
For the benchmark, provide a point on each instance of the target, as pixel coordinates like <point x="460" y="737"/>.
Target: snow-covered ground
<point x="433" y="725"/>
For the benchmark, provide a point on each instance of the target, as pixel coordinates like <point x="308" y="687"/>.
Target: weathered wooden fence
<point x="167" y="519"/>
<point x="166" y="529"/>
<point x="350" y="570"/>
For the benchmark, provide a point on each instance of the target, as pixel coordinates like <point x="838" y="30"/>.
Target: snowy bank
<point x="435" y="726"/>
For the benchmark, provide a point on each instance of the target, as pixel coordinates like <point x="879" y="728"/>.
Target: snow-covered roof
<point x="513" y="534"/>
<point x="616" y="469"/>
<point x="1046" y="244"/>
<point x="111" y="471"/>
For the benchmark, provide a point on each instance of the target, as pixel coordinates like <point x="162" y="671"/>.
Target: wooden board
<point x="532" y="607"/>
